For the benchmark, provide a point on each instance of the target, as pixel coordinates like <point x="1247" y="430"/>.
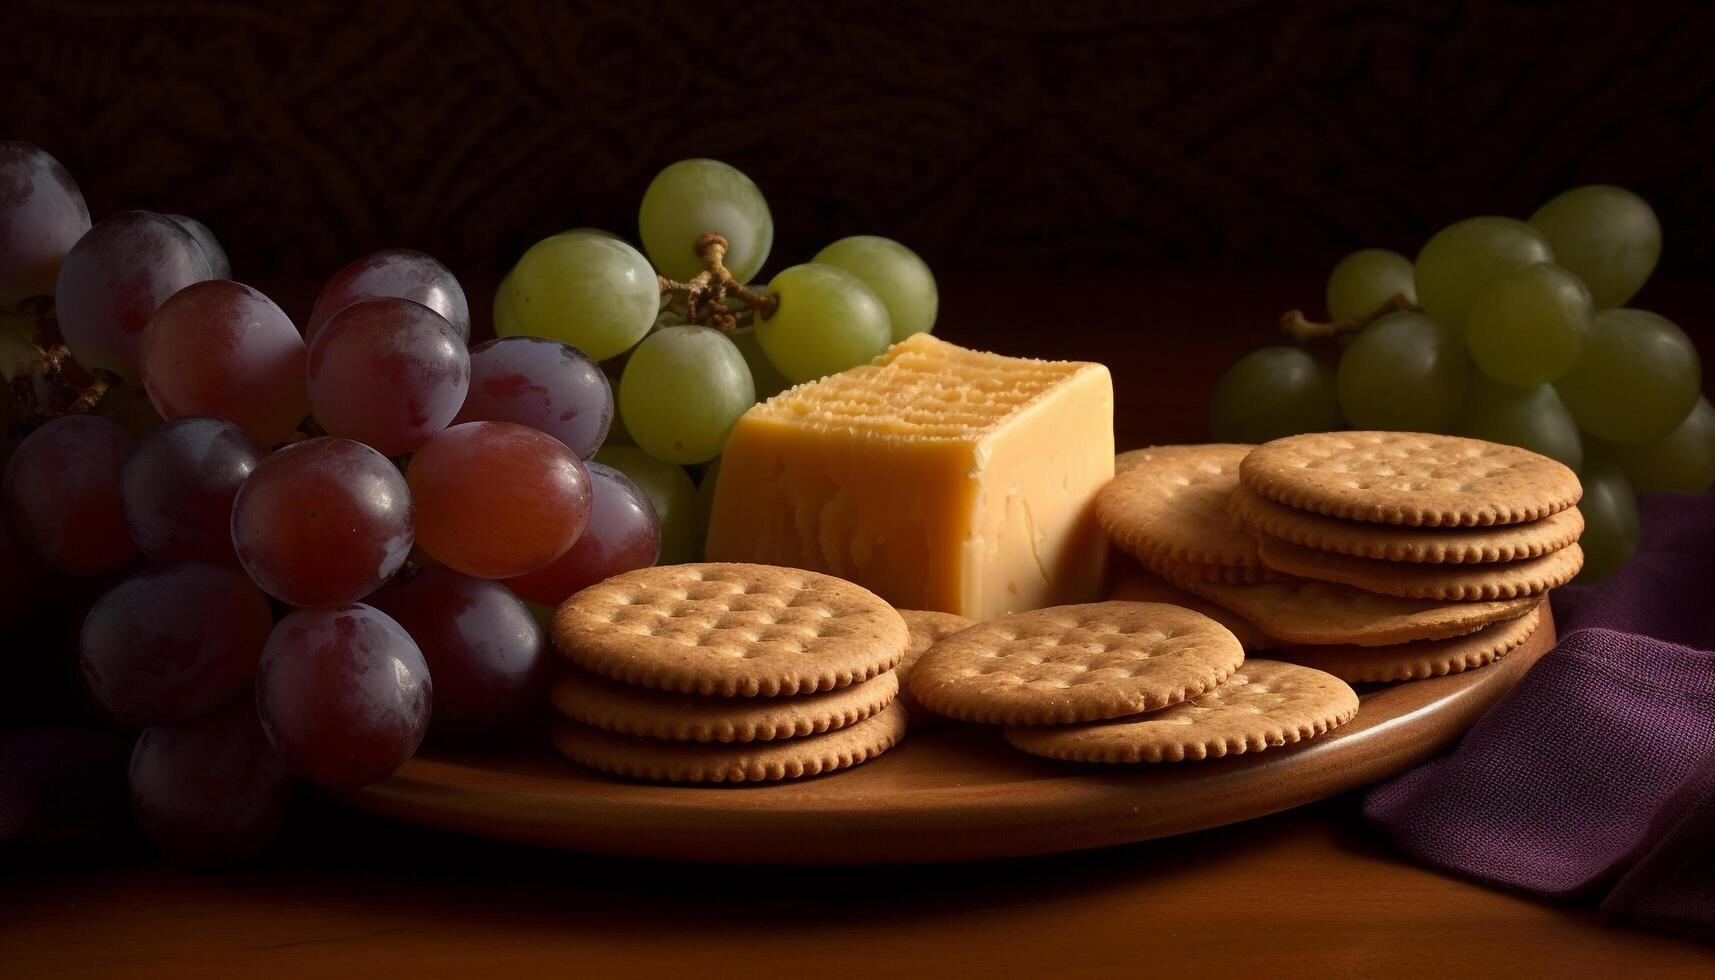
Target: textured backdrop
<point x="990" y="135"/>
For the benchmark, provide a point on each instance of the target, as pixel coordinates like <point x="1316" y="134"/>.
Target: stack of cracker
<point x="727" y="673"/>
<point x="1125" y="682"/>
<point x="1378" y="556"/>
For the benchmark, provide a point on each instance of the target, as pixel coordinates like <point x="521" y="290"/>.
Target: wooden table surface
<point x="1311" y="892"/>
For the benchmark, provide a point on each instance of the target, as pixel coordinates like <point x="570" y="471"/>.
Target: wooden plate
<point x="951" y="794"/>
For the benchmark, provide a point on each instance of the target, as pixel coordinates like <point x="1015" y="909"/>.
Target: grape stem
<point x="1304" y="330"/>
<point x="82" y="389"/>
<point x="705" y="295"/>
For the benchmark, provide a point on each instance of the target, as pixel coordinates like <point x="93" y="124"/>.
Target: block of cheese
<point x="938" y="477"/>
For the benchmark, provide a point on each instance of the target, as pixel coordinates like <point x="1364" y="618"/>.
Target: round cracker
<point x="1497" y="580"/>
<point x="1210" y="573"/>
<point x="628" y="710"/>
<point x="1265" y="704"/>
<point x="1328" y="613"/>
<point x="1075" y="663"/>
<point x="736" y="762"/>
<point x="1419" y="659"/>
<point x="1433" y="545"/>
<point x="730" y="629"/>
<point x="1168" y="504"/>
<point x="1410" y="478"/>
<point x="927" y="629"/>
<point x="1137" y="585"/>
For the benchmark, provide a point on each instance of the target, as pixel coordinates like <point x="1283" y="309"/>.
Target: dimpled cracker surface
<point x="628" y="710"/>
<point x="1266" y="703"/>
<point x="1410" y="478"/>
<point x="1419" y="659"/>
<point x="1494" y="580"/>
<point x="735" y="762"/>
<point x="1168" y="504"/>
<point x="927" y="629"/>
<point x="730" y="630"/>
<point x="1075" y="663"/>
<point x="1307" y="611"/>
<point x="1434" y="545"/>
<point x="1137" y="585"/>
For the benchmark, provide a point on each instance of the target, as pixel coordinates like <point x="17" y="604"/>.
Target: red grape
<point x="173" y="642"/>
<point x="210" y="790"/>
<point x="42" y="215"/>
<point x="62" y="493"/>
<point x="113" y="280"/>
<point x="322" y="522"/>
<point x="543" y="384"/>
<point x="178" y="489"/>
<point x="497" y="499"/>
<point x="220" y="267"/>
<point x="344" y="694"/>
<point x="222" y="349"/>
<point x="484" y="649"/>
<point x="622" y="534"/>
<point x="389" y="373"/>
<point x="398" y="273"/>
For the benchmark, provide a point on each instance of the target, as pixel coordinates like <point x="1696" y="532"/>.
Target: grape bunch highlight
<point x="1512" y="331"/>
<point x="319" y="545"/>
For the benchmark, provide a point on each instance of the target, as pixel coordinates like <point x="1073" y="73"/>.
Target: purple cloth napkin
<point x="1594" y="778"/>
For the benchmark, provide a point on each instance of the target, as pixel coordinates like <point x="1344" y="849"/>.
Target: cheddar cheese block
<point x="938" y="477"/>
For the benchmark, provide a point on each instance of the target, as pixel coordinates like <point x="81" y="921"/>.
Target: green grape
<point x="682" y="391"/>
<point x="827" y="321"/>
<point x="1682" y="460"/>
<point x="1273" y="392"/>
<point x="1610" y="511"/>
<point x="694" y="197"/>
<point x="597" y="294"/>
<point x="769" y="380"/>
<point x="1532" y="417"/>
<point x="1608" y="236"/>
<point x="706" y="501"/>
<point x="1528" y="325"/>
<point x="1637" y="379"/>
<point x="670" y="489"/>
<point x="1365" y="280"/>
<point x="1465" y="256"/>
<point x="898" y="276"/>
<point x="1404" y="372"/>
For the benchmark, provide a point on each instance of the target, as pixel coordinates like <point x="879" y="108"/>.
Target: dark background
<point x="1019" y="138"/>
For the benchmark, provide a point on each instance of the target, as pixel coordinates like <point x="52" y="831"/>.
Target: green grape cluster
<point x="1511" y="331"/>
<point x="683" y="379"/>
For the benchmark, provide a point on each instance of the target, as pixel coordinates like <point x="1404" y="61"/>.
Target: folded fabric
<point x="1594" y="778"/>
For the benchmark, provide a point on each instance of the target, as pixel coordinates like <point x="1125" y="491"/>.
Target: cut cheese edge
<point x="938" y="477"/>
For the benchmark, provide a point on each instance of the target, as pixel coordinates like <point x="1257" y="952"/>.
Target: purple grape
<point x="389" y="373"/>
<point x="114" y="279"/>
<point x="179" y="486"/>
<point x="397" y="273"/>
<point x="344" y="694"/>
<point x="62" y="493"/>
<point x="484" y="649"/>
<point x="219" y="265"/>
<point x="173" y="642"/>
<point x="622" y="534"/>
<point x="210" y="790"/>
<point x="42" y="215"/>
<point x="543" y="384"/>
<point x="323" y="523"/>
<point x="222" y="349"/>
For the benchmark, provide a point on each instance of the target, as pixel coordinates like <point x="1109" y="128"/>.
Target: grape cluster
<point x="335" y="526"/>
<point x="1511" y="331"/>
<point x="350" y="534"/>
<point x="684" y="379"/>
